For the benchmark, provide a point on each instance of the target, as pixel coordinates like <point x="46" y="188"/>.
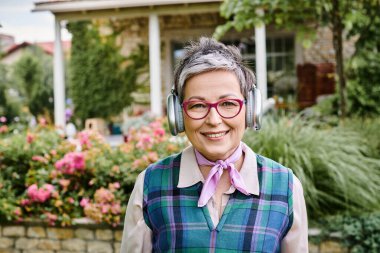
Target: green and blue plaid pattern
<point x="248" y="224"/>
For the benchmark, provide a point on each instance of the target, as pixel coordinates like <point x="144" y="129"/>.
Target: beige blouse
<point x="137" y="235"/>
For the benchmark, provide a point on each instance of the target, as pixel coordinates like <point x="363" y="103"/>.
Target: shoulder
<point x="267" y="163"/>
<point x="165" y="163"/>
<point x="162" y="167"/>
<point x="274" y="176"/>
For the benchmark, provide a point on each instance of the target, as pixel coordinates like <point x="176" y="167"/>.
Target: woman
<point x="216" y="195"/>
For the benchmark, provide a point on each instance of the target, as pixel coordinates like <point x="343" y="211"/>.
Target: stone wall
<point x="87" y="238"/>
<point x="331" y="246"/>
<point x="40" y="238"/>
<point x="322" y="49"/>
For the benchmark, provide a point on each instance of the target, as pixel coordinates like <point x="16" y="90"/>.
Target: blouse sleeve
<point x="296" y="240"/>
<point x="137" y="236"/>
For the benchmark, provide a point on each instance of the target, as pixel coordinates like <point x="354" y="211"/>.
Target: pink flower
<point x="3" y="129"/>
<point x="71" y="200"/>
<point x="136" y="164"/>
<point x="17" y="211"/>
<point x="78" y="160"/>
<point x="30" y="138"/>
<point x="40" y="195"/>
<point x="115" y="169"/>
<point x="105" y="208"/>
<point x="155" y="124"/>
<point x="52" y="218"/>
<point x="39" y="158"/>
<point x="84" y="202"/>
<point x="3" y="119"/>
<point x="42" y="121"/>
<point x="32" y="191"/>
<point x="159" y="132"/>
<point x="115" y="208"/>
<point x="84" y="139"/>
<point x="114" y="186"/>
<point x="64" y="183"/>
<point x="55" y="194"/>
<point x="53" y="152"/>
<point x="152" y="156"/>
<point x="25" y="202"/>
<point x="44" y="193"/>
<point x="145" y="142"/>
<point x="54" y="174"/>
<point x="103" y="196"/>
<point x="71" y="162"/>
<point x="145" y="129"/>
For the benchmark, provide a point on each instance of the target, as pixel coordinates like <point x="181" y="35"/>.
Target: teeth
<point x="215" y="135"/>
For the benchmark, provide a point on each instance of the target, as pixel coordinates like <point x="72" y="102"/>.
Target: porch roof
<point x="66" y="6"/>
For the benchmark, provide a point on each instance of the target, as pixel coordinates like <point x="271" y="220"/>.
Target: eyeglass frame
<point x="213" y="105"/>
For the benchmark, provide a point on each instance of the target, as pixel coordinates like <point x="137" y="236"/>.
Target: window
<point x="280" y="54"/>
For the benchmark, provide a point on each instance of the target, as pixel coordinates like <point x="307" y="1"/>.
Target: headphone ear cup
<point x="249" y="109"/>
<point x="253" y="109"/>
<point x="174" y="113"/>
<point x="179" y="116"/>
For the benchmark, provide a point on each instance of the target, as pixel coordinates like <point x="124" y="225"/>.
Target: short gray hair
<point x="207" y="55"/>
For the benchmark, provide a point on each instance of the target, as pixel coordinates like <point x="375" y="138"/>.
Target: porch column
<point x="155" y="65"/>
<point x="59" y="78"/>
<point x="261" y="60"/>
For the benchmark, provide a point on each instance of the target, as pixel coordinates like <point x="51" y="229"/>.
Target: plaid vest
<point x="248" y="224"/>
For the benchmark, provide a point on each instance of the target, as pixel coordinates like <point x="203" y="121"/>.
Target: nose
<point x="213" y="117"/>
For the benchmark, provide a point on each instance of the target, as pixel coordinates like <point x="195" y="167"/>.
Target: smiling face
<point x="214" y="137"/>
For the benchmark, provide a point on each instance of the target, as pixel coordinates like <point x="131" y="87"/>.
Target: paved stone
<point x="117" y="246"/>
<point x="36" y="232"/>
<point x="60" y="233"/>
<point x="13" y="231"/>
<point x="99" y="247"/>
<point x="104" y="234"/>
<point x="118" y="235"/>
<point x="75" y="245"/>
<point x="25" y="243"/>
<point x="83" y="233"/>
<point x="6" y="243"/>
<point x="48" y="244"/>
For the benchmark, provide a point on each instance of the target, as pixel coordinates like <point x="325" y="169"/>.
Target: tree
<point x="102" y="80"/>
<point x="4" y="107"/>
<point x="32" y="75"/>
<point x="364" y="67"/>
<point x="3" y="99"/>
<point x="301" y="16"/>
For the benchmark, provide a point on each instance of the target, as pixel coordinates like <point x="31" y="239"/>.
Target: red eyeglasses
<point x="227" y="108"/>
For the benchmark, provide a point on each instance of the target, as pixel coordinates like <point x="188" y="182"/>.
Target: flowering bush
<point x="45" y="176"/>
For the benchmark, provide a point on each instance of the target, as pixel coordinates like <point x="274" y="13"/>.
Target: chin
<point x="217" y="154"/>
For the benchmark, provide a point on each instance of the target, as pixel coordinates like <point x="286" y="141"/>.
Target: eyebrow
<point x="221" y="97"/>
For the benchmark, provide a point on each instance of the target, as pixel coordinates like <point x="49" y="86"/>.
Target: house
<point x="6" y="41"/>
<point x="16" y="51"/>
<point x="166" y="25"/>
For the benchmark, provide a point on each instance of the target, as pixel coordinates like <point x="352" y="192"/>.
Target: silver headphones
<point x="252" y="116"/>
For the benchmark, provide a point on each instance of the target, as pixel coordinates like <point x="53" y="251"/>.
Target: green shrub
<point x="368" y="128"/>
<point x="44" y="176"/>
<point x="359" y="233"/>
<point x="331" y="163"/>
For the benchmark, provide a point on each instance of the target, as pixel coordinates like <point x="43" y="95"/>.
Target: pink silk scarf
<point x="216" y="172"/>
